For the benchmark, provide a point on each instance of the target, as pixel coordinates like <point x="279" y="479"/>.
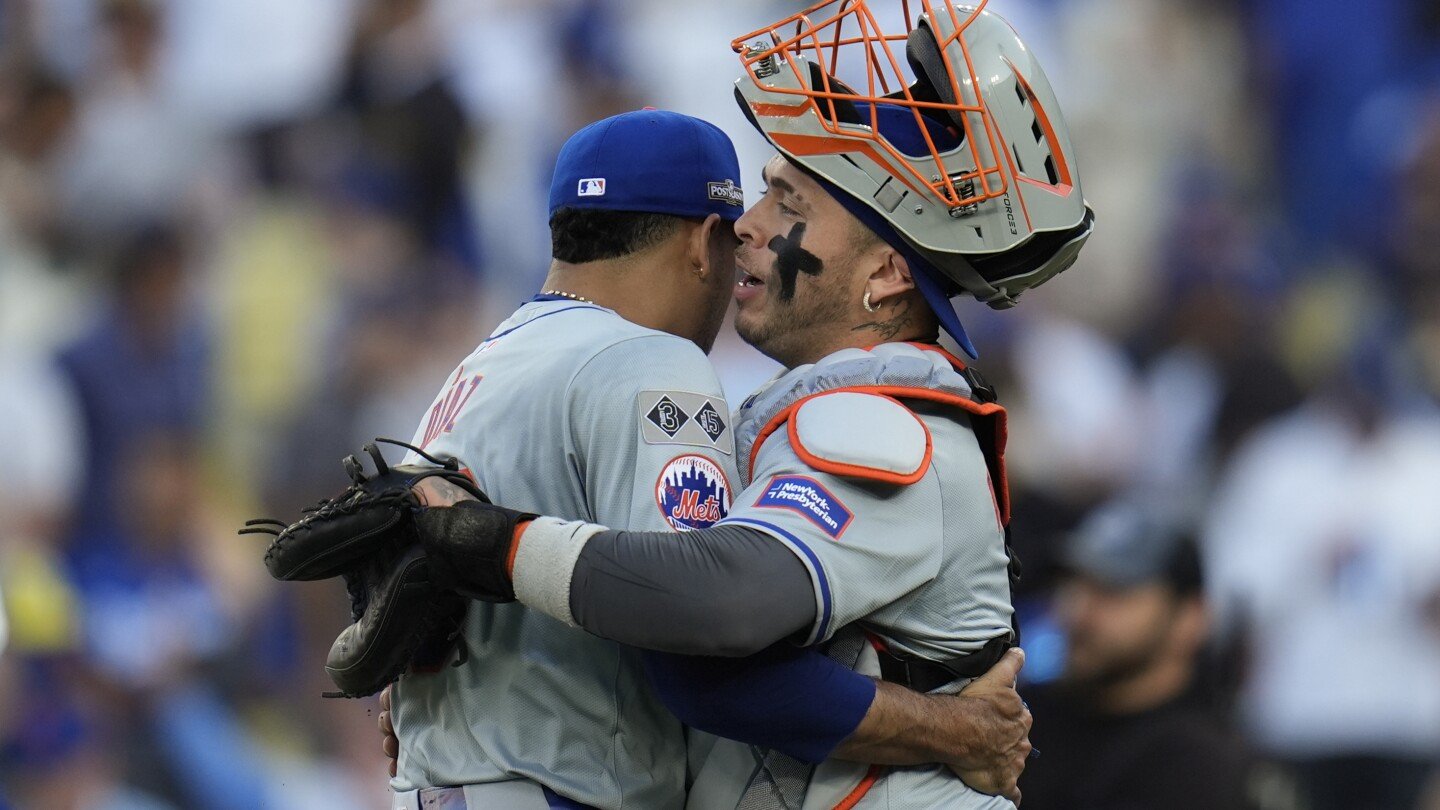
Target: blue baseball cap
<point x="649" y="161"/>
<point x="1127" y="543"/>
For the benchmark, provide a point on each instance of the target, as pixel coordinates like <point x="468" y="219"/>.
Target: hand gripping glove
<point x="367" y="535"/>
<point x="369" y="516"/>
<point x="469" y="548"/>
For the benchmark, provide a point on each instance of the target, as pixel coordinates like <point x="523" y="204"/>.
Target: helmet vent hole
<point x="1020" y="93"/>
<point x="1019" y="164"/>
<point x="1050" y="170"/>
<point x="978" y="234"/>
<point x="1035" y="130"/>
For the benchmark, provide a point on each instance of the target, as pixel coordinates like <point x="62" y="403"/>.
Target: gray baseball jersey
<point x="866" y="465"/>
<point x="567" y="410"/>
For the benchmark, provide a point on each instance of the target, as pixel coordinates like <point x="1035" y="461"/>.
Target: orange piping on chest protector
<point x="825" y="465"/>
<point x="853" y="798"/>
<point x="987" y="409"/>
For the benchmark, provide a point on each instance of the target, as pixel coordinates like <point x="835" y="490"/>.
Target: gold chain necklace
<point x="572" y="296"/>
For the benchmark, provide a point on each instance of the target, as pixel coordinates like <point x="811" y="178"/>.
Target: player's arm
<point x="981" y="732"/>
<point x="807" y="551"/>
<point x="734" y="590"/>
<point x="795" y="700"/>
<point x="804" y="553"/>
<point x="728" y="590"/>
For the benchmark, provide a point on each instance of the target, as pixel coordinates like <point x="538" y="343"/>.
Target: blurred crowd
<point x="239" y="239"/>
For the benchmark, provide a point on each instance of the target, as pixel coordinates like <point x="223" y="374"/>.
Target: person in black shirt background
<point x="1127" y="726"/>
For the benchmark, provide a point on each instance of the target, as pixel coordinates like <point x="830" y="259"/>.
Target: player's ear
<point x="890" y="274"/>
<point x="704" y="239"/>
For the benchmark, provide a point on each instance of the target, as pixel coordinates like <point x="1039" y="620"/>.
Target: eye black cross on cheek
<point x="791" y="260"/>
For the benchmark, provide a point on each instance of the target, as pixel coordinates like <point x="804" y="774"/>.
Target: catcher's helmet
<point x="969" y="161"/>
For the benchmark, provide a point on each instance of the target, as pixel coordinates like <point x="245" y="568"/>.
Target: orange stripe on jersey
<point x="854" y="797"/>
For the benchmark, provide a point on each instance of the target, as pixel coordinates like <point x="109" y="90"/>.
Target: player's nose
<point x="748" y="229"/>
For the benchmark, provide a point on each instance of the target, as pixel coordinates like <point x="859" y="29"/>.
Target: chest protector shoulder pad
<point x="860" y="435"/>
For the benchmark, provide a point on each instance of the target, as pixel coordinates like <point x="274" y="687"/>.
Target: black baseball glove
<point x="368" y="535"/>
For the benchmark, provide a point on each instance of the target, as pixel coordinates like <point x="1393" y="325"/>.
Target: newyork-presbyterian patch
<point x="806" y="497"/>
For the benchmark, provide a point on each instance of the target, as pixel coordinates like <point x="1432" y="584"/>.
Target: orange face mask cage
<point x="821" y="43"/>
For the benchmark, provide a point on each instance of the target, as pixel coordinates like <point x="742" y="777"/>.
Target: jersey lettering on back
<point x="443" y="412"/>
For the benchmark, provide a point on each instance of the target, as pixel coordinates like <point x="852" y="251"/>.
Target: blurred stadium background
<point x="238" y="239"/>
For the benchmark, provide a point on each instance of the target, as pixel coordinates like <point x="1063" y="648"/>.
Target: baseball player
<point x="595" y="400"/>
<point x="874" y="508"/>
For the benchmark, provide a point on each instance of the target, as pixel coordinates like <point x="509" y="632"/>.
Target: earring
<point x="865" y="302"/>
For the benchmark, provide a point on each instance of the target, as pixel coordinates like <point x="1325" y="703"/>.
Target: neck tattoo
<point x="791" y="260"/>
<point x="888" y="328"/>
<point x="572" y="296"/>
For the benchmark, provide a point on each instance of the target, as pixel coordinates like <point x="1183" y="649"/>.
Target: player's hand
<point x="440" y="492"/>
<point x="469" y="547"/>
<point x="999" y="730"/>
<point x="390" y="744"/>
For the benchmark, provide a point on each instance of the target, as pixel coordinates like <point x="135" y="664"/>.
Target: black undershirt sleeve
<point x="726" y="590"/>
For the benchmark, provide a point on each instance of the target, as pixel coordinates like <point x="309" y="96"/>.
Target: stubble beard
<point x="790" y="332"/>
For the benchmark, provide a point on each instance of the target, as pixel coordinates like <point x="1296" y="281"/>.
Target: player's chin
<point x="749" y="323"/>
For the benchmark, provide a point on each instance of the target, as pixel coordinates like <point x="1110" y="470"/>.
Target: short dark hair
<point x="579" y="235"/>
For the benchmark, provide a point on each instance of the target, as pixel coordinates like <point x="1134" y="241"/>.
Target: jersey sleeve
<point x="649" y="434"/>
<point x="866" y="543"/>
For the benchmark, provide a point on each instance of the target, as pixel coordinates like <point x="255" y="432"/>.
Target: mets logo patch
<point x="810" y="500"/>
<point x="692" y="492"/>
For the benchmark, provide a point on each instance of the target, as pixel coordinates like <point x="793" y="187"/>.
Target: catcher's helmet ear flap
<point x="968" y="158"/>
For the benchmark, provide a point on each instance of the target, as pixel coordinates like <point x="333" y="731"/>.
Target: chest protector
<point x="903" y="372"/>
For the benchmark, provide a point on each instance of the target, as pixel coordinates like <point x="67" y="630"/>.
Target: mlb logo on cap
<point x="592" y="187"/>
